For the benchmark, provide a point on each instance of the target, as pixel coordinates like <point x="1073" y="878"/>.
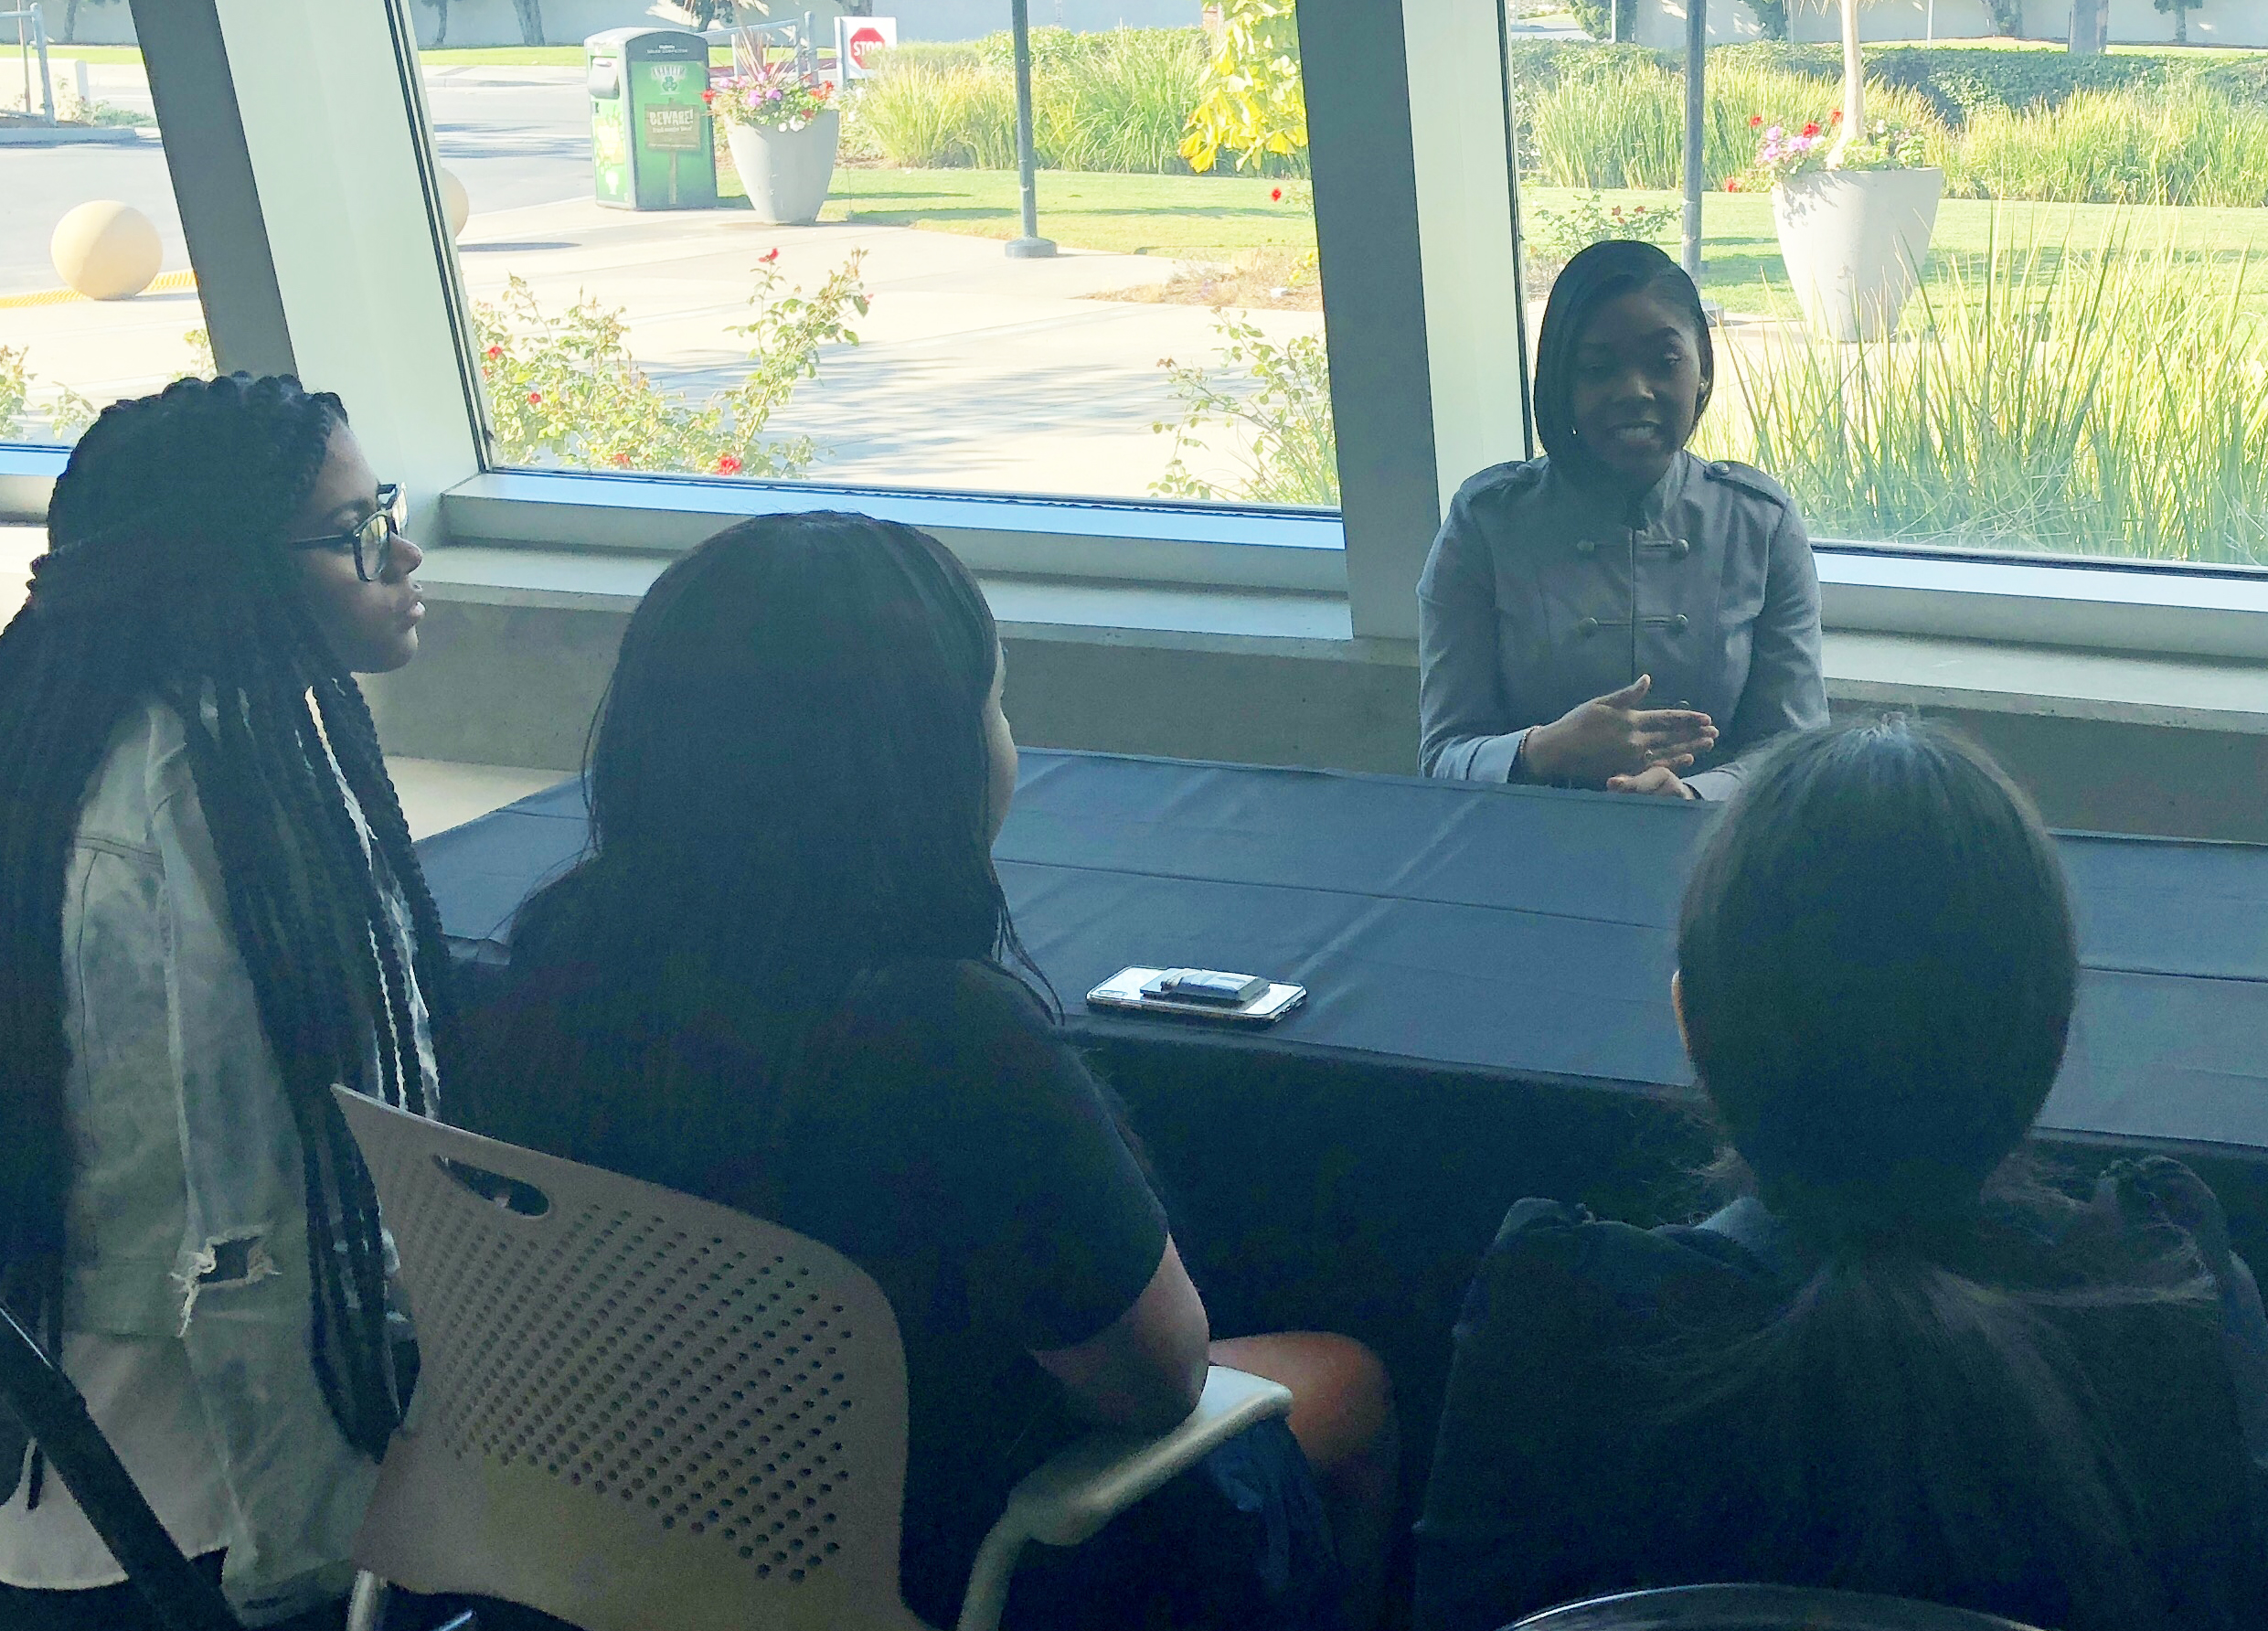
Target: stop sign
<point x="863" y="41"/>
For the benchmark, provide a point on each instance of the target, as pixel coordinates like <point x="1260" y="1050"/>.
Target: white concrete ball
<point x="106" y="250"/>
<point x="456" y="204"/>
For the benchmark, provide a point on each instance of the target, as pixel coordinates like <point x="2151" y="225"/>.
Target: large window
<point x="634" y="308"/>
<point x="97" y="300"/>
<point x="2082" y="369"/>
<point x="2083" y="372"/>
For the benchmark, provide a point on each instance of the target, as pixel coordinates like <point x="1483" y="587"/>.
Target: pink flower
<point x="493" y="353"/>
<point x="535" y="398"/>
<point x="726" y="465"/>
<point x="768" y="259"/>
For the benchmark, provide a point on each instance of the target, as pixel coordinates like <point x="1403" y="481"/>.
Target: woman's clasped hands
<point x="1615" y="742"/>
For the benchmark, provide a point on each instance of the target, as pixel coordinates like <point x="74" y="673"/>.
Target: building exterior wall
<point x="570" y="22"/>
<point x="2226" y="23"/>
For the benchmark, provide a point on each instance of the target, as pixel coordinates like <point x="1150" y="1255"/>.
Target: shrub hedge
<point x="1620" y="122"/>
<point x="1603" y="117"/>
<point x="1115" y="102"/>
<point x="1957" y="81"/>
<point x="2007" y="123"/>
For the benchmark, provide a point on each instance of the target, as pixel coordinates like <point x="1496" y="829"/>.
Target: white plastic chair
<point x="638" y="1411"/>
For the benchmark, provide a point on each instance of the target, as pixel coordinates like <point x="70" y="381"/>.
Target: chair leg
<point x="365" y="1609"/>
<point x="987" y="1596"/>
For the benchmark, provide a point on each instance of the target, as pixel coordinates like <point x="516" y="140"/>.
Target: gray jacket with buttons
<point x="1540" y="594"/>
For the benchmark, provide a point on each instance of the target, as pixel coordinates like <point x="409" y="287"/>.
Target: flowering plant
<point x="773" y="97"/>
<point x="1782" y="155"/>
<point x="1558" y="236"/>
<point x="563" y="387"/>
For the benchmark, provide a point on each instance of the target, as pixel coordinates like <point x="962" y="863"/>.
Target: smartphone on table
<point x="1198" y="994"/>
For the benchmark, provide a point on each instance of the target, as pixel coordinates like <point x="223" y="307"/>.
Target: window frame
<point x="1407" y="278"/>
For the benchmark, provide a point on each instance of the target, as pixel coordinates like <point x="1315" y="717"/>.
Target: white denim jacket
<point x="186" y="1315"/>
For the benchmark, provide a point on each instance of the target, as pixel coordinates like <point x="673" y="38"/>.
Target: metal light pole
<point x="1697" y="117"/>
<point x="1030" y="246"/>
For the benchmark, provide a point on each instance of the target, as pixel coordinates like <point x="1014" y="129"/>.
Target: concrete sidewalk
<point x="974" y="371"/>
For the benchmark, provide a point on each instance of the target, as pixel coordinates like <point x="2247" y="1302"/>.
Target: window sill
<point x="2179" y="643"/>
<point x="1161" y="615"/>
<point x="1155" y="543"/>
<point x="2113" y="606"/>
<point x="28" y="474"/>
<point x="1864" y="666"/>
<point x="2089" y="606"/>
<point x="2109" y="687"/>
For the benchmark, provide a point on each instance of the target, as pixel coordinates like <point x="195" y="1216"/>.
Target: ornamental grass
<point x="1618" y="122"/>
<point x="1118" y="101"/>
<point x="2096" y="399"/>
<point x="2186" y="143"/>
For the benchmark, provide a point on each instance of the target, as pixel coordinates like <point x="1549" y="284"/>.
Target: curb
<point x="81" y="135"/>
<point x="165" y="283"/>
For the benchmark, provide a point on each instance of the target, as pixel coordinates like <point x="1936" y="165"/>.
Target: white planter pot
<point x="1854" y="243"/>
<point x="786" y="172"/>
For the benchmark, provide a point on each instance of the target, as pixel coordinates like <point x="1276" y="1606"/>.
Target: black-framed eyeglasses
<point x="372" y="542"/>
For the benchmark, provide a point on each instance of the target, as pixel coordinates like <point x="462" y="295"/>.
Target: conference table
<point x="1488" y="1014"/>
<point x="1496" y="933"/>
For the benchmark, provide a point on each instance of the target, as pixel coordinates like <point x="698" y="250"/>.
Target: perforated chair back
<point x="1758" y="1608"/>
<point x="635" y="1410"/>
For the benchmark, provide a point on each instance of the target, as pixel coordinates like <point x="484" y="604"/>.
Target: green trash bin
<point x="651" y="145"/>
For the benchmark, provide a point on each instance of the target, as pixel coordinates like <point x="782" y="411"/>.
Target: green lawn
<point x="1199" y="217"/>
<point x="1139" y="215"/>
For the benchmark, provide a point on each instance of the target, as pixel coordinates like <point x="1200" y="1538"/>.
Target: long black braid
<point x="166" y="578"/>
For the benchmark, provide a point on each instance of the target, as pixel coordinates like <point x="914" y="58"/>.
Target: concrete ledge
<point x="519" y="644"/>
<point x="77" y="135"/>
<point x="2047" y="681"/>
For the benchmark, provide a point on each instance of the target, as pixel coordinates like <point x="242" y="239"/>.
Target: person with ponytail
<point x="1905" y="1361"/>
<point x="209" y="913"/>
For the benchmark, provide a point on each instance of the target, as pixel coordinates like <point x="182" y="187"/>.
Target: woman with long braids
<point x="210" y="914"/>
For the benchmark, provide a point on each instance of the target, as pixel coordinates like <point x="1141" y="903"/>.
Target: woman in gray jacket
<point x="1619" y="613"/>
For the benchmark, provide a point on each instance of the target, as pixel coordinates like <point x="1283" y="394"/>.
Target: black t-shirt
<point x="938" y="1133"/>
<point x="1563" y="1469"/>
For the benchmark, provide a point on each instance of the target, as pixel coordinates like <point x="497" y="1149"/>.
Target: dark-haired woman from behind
<point x="1900" y="1364"/>
<point x="1618" y="614"/>
<point x="210" y="914"/>
<point x="785" y="979"/>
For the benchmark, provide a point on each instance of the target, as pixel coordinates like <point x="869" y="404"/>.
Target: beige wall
<point x="517" y="685"/>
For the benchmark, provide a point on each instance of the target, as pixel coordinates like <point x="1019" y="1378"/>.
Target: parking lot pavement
<point x="974" y="371"/>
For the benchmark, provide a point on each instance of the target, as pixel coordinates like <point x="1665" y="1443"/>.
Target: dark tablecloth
<point x="1499" y="932"/>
